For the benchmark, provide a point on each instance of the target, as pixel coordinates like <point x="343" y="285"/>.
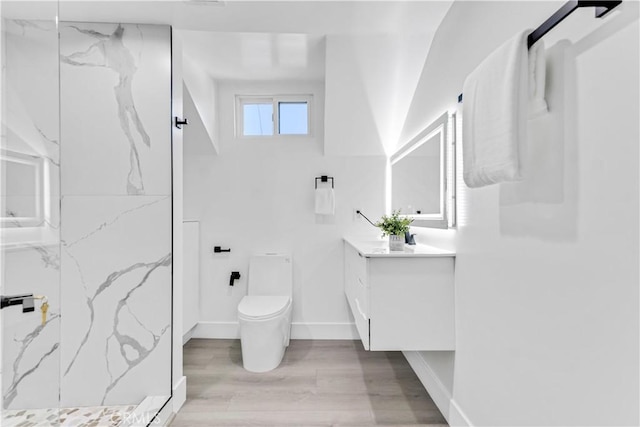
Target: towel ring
<point x="324" y="178"/>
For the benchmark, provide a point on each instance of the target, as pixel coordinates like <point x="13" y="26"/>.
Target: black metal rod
<point x="218" y="249"/>
<point x="602" y="8"/>
<point x="363" y="215"/>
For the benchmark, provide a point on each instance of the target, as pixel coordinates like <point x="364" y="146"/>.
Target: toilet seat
<point x="263" y="307"/>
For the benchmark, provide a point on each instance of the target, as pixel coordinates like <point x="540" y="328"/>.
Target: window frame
<point x="275" y="100"/>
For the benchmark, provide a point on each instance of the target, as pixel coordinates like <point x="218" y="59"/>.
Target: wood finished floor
<point x="318" y="383"/>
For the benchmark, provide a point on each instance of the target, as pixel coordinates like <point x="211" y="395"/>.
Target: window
<point x="273" y="116"/>
<point x="257" y="119"/>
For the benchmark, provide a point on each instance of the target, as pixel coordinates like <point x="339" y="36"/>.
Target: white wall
<point x="202" y="89"/>
<point x="547" y="269"/>
<point x="258" y="196"/>
<point x="370" y="80"/>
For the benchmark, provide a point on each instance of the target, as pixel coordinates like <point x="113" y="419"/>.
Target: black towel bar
<point x="602" y="8"/>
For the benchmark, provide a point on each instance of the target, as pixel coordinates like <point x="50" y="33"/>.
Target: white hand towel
<point x="494" y="115"/>
<point x="537" y="80"/>
<point x="325" y="201"/>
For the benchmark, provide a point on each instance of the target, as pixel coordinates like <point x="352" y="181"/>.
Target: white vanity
<point x="401" y="300"/>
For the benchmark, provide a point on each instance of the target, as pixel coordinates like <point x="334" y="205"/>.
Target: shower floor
<point x="92" y="416"/>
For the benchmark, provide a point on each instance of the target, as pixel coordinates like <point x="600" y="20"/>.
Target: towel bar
<point x="602" y="8"/>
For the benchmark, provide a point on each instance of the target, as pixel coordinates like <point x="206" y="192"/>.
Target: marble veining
<point x="107" y="266"/>
<point x="49" y="255"/>
<point x="121" y="304"/>
<point x="110" y="222"/>
<point x="25" y="343"/>
<point x="122" y="339"/>
<point x="114" y="55"/>
<point x="25" y="24"/>
<point x="30" y="250"/>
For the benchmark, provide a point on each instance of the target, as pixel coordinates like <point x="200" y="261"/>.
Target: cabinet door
<point x="411" y="304"/>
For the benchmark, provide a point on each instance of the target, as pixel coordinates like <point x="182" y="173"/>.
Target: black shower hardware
<point x="218" y="249"/>
<point x="235" y="275"/>
<point x="25" y="300"/>
<point x="363" y="216"/>
<point x="324" y="178"/>
<point x="602" y="8"/>
<point x="181" y="122"/>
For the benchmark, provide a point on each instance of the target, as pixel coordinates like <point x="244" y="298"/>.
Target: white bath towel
<point x="495" y="113"/>
<point x="325" y="201"/>
<point x="537" y="80"/>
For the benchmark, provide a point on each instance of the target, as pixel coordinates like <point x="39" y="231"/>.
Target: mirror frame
<point x="37" y="163"/>
<point x="444" y="127"/>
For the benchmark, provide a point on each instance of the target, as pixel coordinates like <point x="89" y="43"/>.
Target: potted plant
<point x="395" y="227"/>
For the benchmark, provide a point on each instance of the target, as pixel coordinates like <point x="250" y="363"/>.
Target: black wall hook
<point x="218" y="249"/>
<point x="181" y="122"/>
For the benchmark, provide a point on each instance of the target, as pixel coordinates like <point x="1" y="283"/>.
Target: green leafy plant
<point x="394" y="224"/>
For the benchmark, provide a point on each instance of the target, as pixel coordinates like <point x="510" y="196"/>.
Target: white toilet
<point x="264" y="314"/>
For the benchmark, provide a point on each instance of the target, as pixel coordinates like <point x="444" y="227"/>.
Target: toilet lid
<point x="262" y="306"/>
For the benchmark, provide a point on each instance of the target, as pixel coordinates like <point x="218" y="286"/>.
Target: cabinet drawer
<point x="357" y="263"/>
<point x="357" y="292"/>
<point x="358" y="299"/>
<point x="359" y="310"/>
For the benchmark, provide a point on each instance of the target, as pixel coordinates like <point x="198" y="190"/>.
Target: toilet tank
<point x="270" y="274"/>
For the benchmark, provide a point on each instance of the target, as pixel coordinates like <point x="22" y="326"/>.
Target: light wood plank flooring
<point x="319" y="383"/>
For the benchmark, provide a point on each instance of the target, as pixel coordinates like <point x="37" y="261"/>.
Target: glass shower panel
<point x="30" y="213"/>
<point x="115" y="92"/>
<point x="90" y="242"/>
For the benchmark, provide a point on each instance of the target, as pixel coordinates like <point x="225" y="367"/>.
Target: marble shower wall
<point x="115" y="83"/>
<point x="30" y="253"/>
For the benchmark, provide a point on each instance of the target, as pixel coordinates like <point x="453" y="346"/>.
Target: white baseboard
<point x="188" y="335"/>
<point x="179" y="394"/>
<point x="438" y="392"/>
<point x="299" y="331"/>
<point x="220" y="330"/>
<point x="324" y="331"/>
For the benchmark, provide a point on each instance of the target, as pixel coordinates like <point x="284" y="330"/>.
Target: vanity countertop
<point x="380" y="249"/>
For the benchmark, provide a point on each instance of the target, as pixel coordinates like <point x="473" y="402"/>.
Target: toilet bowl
<point x="264" y="314"/>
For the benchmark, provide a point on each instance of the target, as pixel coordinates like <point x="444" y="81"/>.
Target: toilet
<point x="264" y="314"/>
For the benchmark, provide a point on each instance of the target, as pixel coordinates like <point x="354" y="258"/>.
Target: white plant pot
<point x="396" y="242"/>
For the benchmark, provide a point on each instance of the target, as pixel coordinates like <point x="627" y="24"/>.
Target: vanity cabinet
<point x="401" y="301"/>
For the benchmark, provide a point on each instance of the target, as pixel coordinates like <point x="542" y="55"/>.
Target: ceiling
<point x="298" y="16"/>
<point x="249" y="40"/>
<point x="256" y="56"/>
